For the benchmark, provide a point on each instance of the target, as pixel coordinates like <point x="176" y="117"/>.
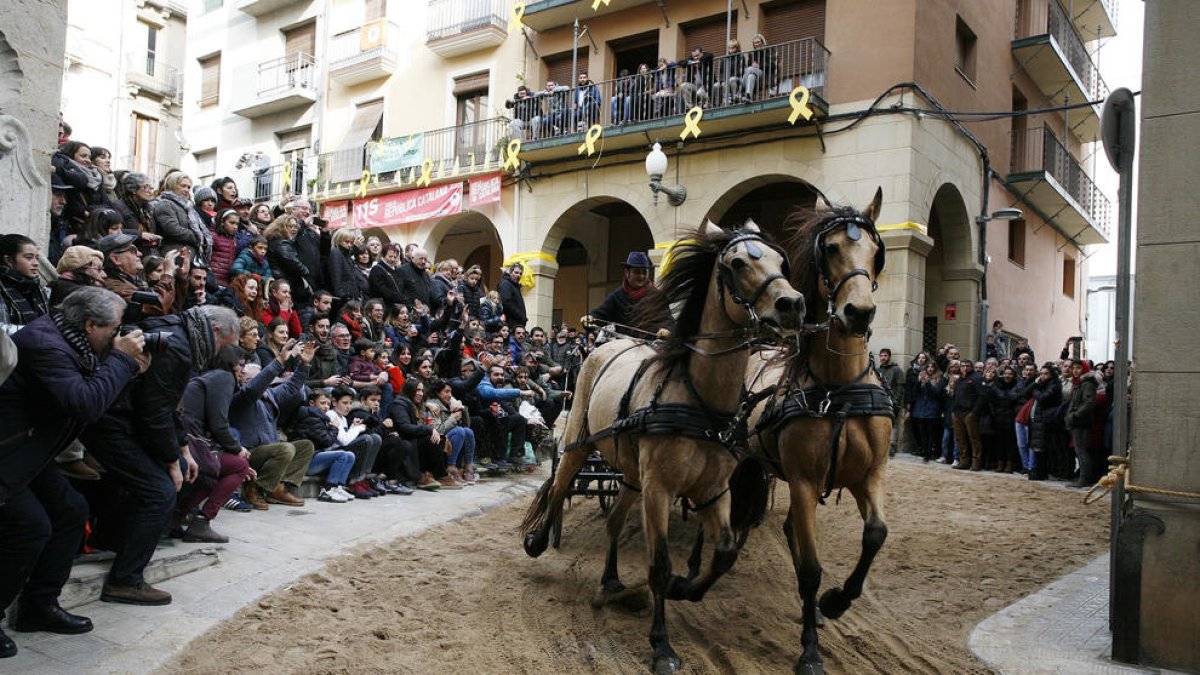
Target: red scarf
<point x="636" y="293"/>
<point x="355" y="328"/>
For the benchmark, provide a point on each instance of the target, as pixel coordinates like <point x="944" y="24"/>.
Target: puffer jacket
<point x="312" y="424"/>
<point x="1048" y="396"/>
<point x="224" y="252"/>
<point x="471" y="295"/>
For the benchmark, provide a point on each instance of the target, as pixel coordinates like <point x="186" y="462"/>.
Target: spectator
<point x="397" y="459"/>
<point x="664" y="88"/>
<point x="566" y="353"/>
<point x="282" y="252"/>
<point x="409" y="420"/>
<point x="195" y="291"/>
<point x="585" y="103"/>
<point x="73" y="167"/>
<point x="621" y="103"/>
<point x="244" y="296"/>
<point x="79" y="267"/>
<point x="275" y="341"/>
<point x="471" y="290"/>
<point x="141" y="442"/>
<point x="373" y="326"/>
<point x="501" y="419"/>
<point x="71" y="368"/>
<point x="1023" y="348"/>
<point x="417" y="283"/>
<point x="762" y="69"/>
<point x="452" y="421"/>
<point x="733" y="69"/>
<point x="556" y="102"/>
<point x="280" y="306"/>
<point x="176" y="219"/>
<point x="966" y="421"/>
<point x="351" y="437"/>
<point x="342" y="343"/>
<point x="248" y="339"/>
<point x="698" y="80"/>
<point x="102" y="221"/>
<point x="252" y="260"/>
<point x="106" y="193"/>
<point x="385" y="281"/>
<point x="511" y="299"/>
<point x="206" y="206"/>
<point x="928" y="402"/>
<point x="23" y="298"/>
<point x="137" y="209"/>
<point x="526" y="114"/>
<point x="310" y="241"/>
<point x="893" y="381"/>
<point x="339" y="267"/>
<point x="326" y="369"/>
<point x="225" y="191"/>
<point x="260" y="218"/>
<point x="1047" y="395"/>
<point x="313" y="425"/>
<point x="352" y="318"/>
<point x="321" y="303"/>
<point x="1080" y="392"/>
<point x="225" y="246"/>
<point x="1002" y="397"/>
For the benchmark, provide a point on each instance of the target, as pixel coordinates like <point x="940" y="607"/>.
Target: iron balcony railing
<point x="730" y="81"/>
<point x="453" y="17"/>
<point x="1039" y="149"/>
<point x="348" y="48"/>
<point x="146" y="70"/>
<point x="272" y="183"/>
<point x="281" y="75"/>
<point x="474" y="146"/>
<point x="1047" y="17"/>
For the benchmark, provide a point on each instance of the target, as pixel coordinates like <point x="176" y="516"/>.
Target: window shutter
<point x="210" y="79"/>
<point x="362" y="128"/>
<point x="787" y="21"/>
<point x="470" y="84"/>
<point x="374" y="10"/>
<point x="301" y="39"/>
<point x="558" y="68"/>
<point x="206" y="163"/>
<point x="295" y="139"/>
<point x="707" y="33"/>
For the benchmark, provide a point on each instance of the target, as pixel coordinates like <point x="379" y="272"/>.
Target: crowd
<point x="196" y="352"/>
<point x="1006" y="413"/>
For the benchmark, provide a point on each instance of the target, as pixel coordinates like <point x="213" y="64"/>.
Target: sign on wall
<point x="951" y="311"/>
<point x="484" y="190"/>
<point x="336" y="213"/>
<point x="408" y="207"/>
<point x="399" y="153"/>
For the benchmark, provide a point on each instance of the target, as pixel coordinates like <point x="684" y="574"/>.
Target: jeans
<point x="462" y="441"/>
<point x="617" y="109"/>
<point x="41" y="526"/>
<point x="750" y="80"/>
<point x="510" y="426"/>
<point x="948" y="450"/>
<point x="1023" y="445"/>
<point x="337" y="462"/>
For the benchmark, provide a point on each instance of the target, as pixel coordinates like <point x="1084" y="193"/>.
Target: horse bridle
<point x="854" y="227"/>
<point x="725" y="280"/>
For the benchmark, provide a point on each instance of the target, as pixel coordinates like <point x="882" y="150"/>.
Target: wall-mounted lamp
<point x="656" y="166"/>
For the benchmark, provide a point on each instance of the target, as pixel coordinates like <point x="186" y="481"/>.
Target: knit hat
<point x="78" y="256"/>
<point x="204" y="192"/>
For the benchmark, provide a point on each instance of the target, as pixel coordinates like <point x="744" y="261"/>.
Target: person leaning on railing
<point x="762" y="68"/>
<point x="526" y="114"/>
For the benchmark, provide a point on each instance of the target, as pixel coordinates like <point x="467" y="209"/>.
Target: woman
<point x="176" y="219"/>
<point x="225" y="245"/>
<point x="375" y="246"/>
<point x="664" y="89"/>
<point x="363" y="264"/>
<point x="1023" y="404"/>
<point x="1047" y="396"/>
<point x="733" y="68"/>
<point x="491" y="312"/>
<point x="927" y="411"/>
<point x="260" y="217"/>
<point x="282" y="253"/>
<point x="453" y="422"/>
<point x="206" y="206"/>
<point x="410" y="422"/>
<point x="137" y="209"/>
<point x="340" y="271"/>
<point x="421" y="369"/>
<point x="986" y="415"/>
<point x="949" y="451"/>
<point x="277" y="337"/>
<point x="225" y="191"/>
<point x="352" y="318"/>
<point x="1003" y="396"/>
<point x="102" y="161"/>
<point x="243" y="296"/>
<point x="373" y="326"/>
<point x="102" y="222"/>
<point x="248" y="340"/>
<point x="23" y="298"/>
<point x="80" y="266"/>
<point x="759" y="61"/>
<point x="401" y="359"/>
<point x="73" y="166"/>
<point x="280" y="306"/>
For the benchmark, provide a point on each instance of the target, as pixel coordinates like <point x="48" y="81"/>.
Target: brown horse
<point x="829" y="424"/>
<point x="667" y="415"/>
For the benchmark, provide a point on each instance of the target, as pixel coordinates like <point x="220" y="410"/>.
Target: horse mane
<point x="686" y="281"/>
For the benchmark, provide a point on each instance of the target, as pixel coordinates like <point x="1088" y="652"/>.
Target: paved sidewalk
<point x="266" y="550"/>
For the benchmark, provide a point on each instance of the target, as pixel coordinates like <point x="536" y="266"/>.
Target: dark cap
<point x="56" y="184"/>
<point x="637" y="259"/>
<point x="111" y="242"/>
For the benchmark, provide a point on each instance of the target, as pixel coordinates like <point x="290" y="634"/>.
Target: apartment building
<point x="123" y="82"/>
<point x="408" y="134"/>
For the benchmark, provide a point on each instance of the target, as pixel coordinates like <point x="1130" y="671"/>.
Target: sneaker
<point x="334" y="495"/>
<point x="400" y="489"/>
<point x="341" y="491"/>
<point x="235" y="503"/>
<point x="361" y="491"/>
<point x="379" y="486"/>
<point x="447" y="482"/>
<point x="501" y="465"/>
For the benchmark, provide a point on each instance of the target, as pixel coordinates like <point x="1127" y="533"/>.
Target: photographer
<point x="71" y="369"/>
<point x="141" y="441"/>
<point x="123" y="266"/>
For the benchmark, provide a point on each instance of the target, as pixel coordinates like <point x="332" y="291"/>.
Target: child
<point x="252" y="260"/>
<point x="312" y="424"/>
<point x="363" y="371"/>
<point x="397" y="459"/>
<point x="224" y="247"/>
<point x="352" y="435"/>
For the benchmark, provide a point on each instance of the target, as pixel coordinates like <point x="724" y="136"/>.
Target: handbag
<point x="204" y="453"/>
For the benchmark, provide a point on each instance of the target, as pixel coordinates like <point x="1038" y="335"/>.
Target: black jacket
<point x="308" y="251"/>
<point x="408" y="421"/>
<point x="312" y="424"/>
<point x="966" y="393"/>
<point x="471" y="295"/>
<point x="512" y="301"/>
<point x="342" y="276"/>
<point x="387" y="284"/>
<point x="1048" y="397"/>
<point x="285" y="262"/>
<point x="417" y="285"/>
<point x="206" y="407"/>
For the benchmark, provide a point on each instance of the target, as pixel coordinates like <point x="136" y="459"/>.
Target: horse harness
<point x="854" y="224"/>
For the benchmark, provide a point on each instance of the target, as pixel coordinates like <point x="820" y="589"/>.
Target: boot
<point x="455" y="475"/>
<point x="280" y="495"/>
<point x="201" y="532"/>
<point x="254" y="496"/>
<point x="1038" y="472"/>
<point x="79" y="470"/>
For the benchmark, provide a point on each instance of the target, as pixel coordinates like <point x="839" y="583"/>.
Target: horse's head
<point x="848" y="256"/>
<point x="752" y="273"/>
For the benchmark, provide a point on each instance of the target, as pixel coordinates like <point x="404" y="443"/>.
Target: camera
<point x="155" y="343"/>
<point x="133" y="308"/>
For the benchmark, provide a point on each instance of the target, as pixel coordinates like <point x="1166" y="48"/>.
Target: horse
<point x="828" y="425"/>
<point x="667" y="415"/>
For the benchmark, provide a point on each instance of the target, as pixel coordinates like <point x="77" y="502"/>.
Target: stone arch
<point x="952" y="274"/>
<point x="469" y="235"/>
<point x="768" y="199"/>
<point x="747" y="178"/>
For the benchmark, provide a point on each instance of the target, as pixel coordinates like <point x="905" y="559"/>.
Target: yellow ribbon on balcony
<point x="799" y="105"/>
<point x="691" y="123"/>
<point x="518" y="11"/>
<point x="426" y="173"/>
<point x="362" y="184"/>
<point x="287" y="176"/>
<point x="510" y="154"/>
<point x="596" y="4"/>
<point x="589" y="141"/>
<point x="527" y="271"/>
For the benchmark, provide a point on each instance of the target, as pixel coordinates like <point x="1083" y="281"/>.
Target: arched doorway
<point x="952" y="276"/>
<point x="471" y="239"/>
<point x="589" y="242"/>
<point x="768" y="200"/>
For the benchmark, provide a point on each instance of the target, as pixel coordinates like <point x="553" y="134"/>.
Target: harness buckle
<point x="823" y="408"/>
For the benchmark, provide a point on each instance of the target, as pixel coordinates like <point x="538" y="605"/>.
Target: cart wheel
<point x="556" y="530"/>
<point x="608" y="494"/>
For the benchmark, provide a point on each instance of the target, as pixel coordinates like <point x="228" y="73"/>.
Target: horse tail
<point x="749" y="490"/>
<point x="535" y="516"/>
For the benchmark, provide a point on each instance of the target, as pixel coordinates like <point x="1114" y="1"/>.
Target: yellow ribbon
<point x="799" y="106"/>
<point x="596" y="5"/>
<point x="589" y="141"/>
<point x="509" y="154"/>
<point x="523" y="259"/>
<point x="691" y="123"/>
<point x="426" y="173"/>
<point x="518" y="11"/>
<point x="903" y="226"/>
<point x="287" y="176"/>
<point x="362" y="184"/>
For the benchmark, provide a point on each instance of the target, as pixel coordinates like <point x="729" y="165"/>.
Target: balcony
<point x="1052" y="183"/>
<point x="268" y="184"/>
<point x="262" y="7"/>
<point x="1047" y="47"/>
<point x="458" y="27"/>
<point x="1094" y="19"/>
<point x="465" y="150"/>
<point x="635" y="108"/>
<point x="146" y="71"/>
<point x="281" y="84"/>
<point x="364" y="54"/>
<point x="543" y="15"/>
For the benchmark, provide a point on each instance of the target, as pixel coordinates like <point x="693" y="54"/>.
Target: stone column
<point x="1165" y="431"/>
<point x="539" y="300"/>
<point x="33" y="36"/>
<point x="900" y="300"/>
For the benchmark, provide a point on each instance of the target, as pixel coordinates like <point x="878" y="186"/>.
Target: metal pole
<point x="728" y="24"/>
<point x="574" y="78"/>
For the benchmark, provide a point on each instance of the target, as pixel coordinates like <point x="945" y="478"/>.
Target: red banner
<point x="337" y="214"/>
<point x="409" y="206"/>
<point x="484" y="190"/>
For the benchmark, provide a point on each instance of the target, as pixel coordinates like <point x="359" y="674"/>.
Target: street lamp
<point x="1007" y="213"/>
<point x="656" y="166"/>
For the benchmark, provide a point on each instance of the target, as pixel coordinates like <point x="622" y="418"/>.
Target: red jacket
<point x="224" y="252"/>
<point x="290" y="317"/>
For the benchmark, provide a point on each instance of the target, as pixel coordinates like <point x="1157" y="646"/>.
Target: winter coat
<point x="285" y="264"/>
<point x="246" y="263"/>
<point x="79" y="200"/>
<point x="312" y="424"/>
<point x="1048" y="397"/>
<point x="966" y="393"/>
<point x="325" y="364"/>
<point x="344" y="279"/>
<point x="386" y="284"/>
<point x="258" y="409"/>
<point x="471" y="295"/>
<point x="272" y="311"/>
<point x="1081" y="402"/>
<point x="1002" y="397"/>
<point x="308" y="246"/>
<point x="417" y="285"/>
<point x="224" y="252"/>
<point x="489" y="315"/>
<point x="893" y="377"/>
<point x="408" y="421"/>
<point x="513" y="302"/>
<point x="206" y="407"/>
<point x="172" y="214"/>
<point x="930" y="400"/>
<point x="443" y="421"/>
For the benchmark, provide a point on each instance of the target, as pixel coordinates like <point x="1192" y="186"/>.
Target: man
<point x="511" y="298"/>
<point x="565" y="353"/>
<point x="966" y="422"/>
<point x="538" y="347"/>
<point x="58" y="224"/>
<point x="123" y="265"/>
<point x="526" y="114"/>
<point x="997" y="341"/>
<point x="585" y="103"/>
<point x="386" y="278"/>
<point x="893" y="378"/>
<point x="196" y="292"/>
<point x="255" y="412"/>
<point x="516" y="343"/>
<point x="555" y="120"/>
<point x="325" y="369"/>
<point x="502" y="419"/>
<point x="322" y="303"/>
<point x="72" y="367"/>
<point x="342" y="345"/>
<point x="310" y="241"/>
<point x="141" y="441"/>
<point x="417" y="283"/>
<point x="698" y="80"/>
<point x="945" y="355"/>
<point x="1024" y="348"/>
<point x="620" y="307"/>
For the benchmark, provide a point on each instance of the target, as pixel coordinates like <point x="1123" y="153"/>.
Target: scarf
<point x="636" y="293"/>
<point x="354" y="326"/>
<point x="94" y="179"/>
<point x="78" y="341"/>
<point x="22" y="296"/>
<point x="200" y="337"/>
<point x="140" y="212"/>
<point x="194" y="225"/>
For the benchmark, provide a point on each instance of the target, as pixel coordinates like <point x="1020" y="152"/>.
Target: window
<point x="964" y="61"/>
<point x="144" y="144"/>
<point x="151" y="48"/>
<point x="210" y="5"/>
<point x="301" y="40"/>
<point x="210" y="80"/>
<point x="471" y="98"/>
<point x="1068" y="276"/>
<point x="1016" y="241"/>
<point x="206" y="166"/>
<point x="374" y="10"/>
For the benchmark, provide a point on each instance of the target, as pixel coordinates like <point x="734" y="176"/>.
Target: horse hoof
<point x="833" y="603"/>
<point x="820" y="619"/>
<point x="809" y="668"/>
<point x="678" y="588"/>
<point x="666" y="664"/>
<point x="535" y="544"/>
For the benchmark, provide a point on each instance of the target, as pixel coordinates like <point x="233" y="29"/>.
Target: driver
<point x="622" y="305"/>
